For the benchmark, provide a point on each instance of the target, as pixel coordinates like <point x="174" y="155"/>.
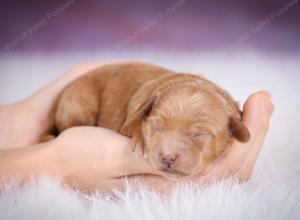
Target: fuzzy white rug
<point x="272" y="193"/>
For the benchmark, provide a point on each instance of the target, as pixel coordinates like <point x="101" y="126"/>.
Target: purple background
<point x="205" y="25"/>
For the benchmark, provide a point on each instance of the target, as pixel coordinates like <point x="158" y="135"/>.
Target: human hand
<point x="96" y="158"/>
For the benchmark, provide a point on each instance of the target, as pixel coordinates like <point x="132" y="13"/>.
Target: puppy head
<point x="185" y="129"/>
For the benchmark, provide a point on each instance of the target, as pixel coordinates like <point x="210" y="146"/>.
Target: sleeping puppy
<point x="181" y="122"/>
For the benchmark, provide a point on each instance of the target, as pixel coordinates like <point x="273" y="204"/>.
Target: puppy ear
<point x="134" y="119"/>
<point x="146" y="107"/>
<point x="238" y="130"/>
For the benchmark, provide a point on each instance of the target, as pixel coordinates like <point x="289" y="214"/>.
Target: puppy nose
<point x="169" y="160"/>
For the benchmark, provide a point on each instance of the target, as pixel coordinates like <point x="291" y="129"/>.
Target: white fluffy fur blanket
<point x="272" y="193"/>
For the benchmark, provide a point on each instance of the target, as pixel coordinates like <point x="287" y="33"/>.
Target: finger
<point x="256" y="117"/>
<point x="258" y="110"/>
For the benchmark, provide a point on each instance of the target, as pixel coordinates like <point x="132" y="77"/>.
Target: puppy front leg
<point x="138" y="143"/>
<point x="133" y="131"/>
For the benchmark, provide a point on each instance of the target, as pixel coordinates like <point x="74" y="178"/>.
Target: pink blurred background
<point x="74" y="25"/>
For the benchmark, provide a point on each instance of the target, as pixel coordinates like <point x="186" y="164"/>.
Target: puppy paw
<point x="138" y="147"/>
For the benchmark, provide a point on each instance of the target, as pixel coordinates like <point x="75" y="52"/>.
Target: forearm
<point x="28" y="162"/>
<point x="33" y="161"/>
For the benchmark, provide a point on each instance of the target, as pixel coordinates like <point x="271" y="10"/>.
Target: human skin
<point x="92" y="158"/>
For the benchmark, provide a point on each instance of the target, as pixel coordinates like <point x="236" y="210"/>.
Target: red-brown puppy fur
<point x="181" y="121"/>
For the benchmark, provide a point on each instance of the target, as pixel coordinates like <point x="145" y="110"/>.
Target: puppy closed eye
<point x="199" y="134"/>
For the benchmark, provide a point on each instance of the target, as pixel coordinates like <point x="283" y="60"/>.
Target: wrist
<point x="15" y="119"/>
<point x="30" y="162"/>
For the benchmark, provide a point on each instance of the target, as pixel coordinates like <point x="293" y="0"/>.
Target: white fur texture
<point x="272" y="193"/>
